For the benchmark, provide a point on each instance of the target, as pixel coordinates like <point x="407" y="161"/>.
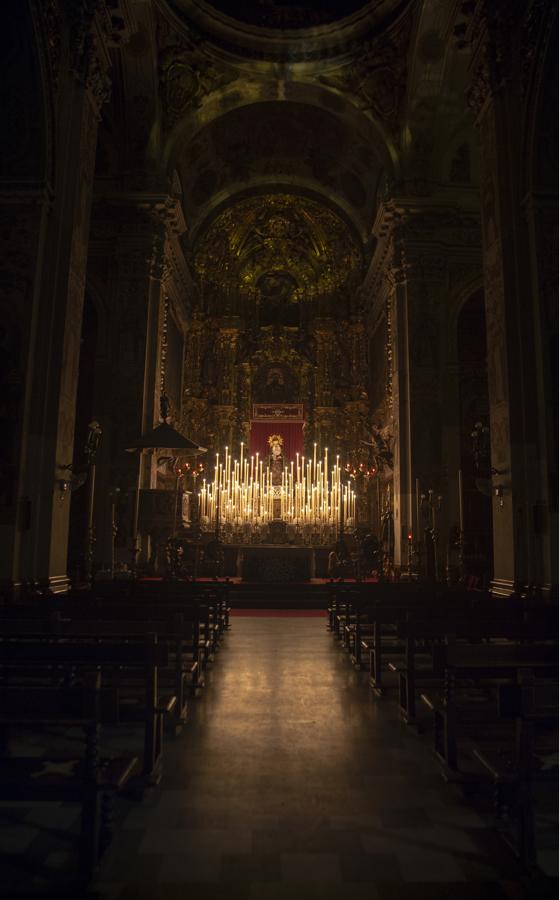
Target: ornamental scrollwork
<point x="377" y="78"/>
<point x="275" y="252"/>
<point x="186" y="77"/>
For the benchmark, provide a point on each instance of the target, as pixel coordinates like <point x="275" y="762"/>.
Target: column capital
<point x="96" y="27"/>
<point x="419" y="236"/>
<point x="504" y="40"/>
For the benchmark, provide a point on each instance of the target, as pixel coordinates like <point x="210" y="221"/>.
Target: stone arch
<point x="293" y="184"/>
<point x="235" y="97"/>
<point x="458" y="300"/>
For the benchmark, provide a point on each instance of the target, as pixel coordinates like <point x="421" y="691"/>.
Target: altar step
<point x="270" y="595"/>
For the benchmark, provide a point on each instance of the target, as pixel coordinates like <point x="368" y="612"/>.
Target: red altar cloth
<point x="291" y="432"/>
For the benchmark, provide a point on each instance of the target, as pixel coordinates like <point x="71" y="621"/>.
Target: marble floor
<point x="290" y="781"/>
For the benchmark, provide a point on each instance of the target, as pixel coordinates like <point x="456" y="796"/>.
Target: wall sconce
<point x="498" y="491"/>
<point x="71" y="482"/>
<point x="63" y="487"/>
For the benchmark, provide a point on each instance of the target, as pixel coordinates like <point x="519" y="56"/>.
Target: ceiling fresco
<point x="277" y="250"/>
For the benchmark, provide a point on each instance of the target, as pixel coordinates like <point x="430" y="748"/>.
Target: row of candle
<point x="242" y="491"/>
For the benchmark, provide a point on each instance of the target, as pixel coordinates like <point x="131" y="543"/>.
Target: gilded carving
<point x="377" y="77"/>
<point x="186" y="77"/>
<point x="274" y="252"/>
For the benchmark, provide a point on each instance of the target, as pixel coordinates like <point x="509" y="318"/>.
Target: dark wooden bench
<point x="209" y="602"/>
<point x="379" y="629"/>
<point x="87" y="779"/>
<point x="427" y="639"/>
<point x="112" y="604"/>
<point x="355" y="615"/>
<point x="129" y="670"/>
<point x="340" y="598"/>
<point x="181" y="679"/>
<point x="193" y="621"/>
<point x="529" y="759"/>
<point x="468" y="703"/>
<point x="88" y="614"/>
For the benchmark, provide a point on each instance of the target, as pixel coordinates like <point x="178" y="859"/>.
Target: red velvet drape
<point x="291" y="432"/>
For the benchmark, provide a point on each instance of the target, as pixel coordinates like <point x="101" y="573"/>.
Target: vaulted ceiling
<point x="275" y="144"/>
<point x="321" y="102"/>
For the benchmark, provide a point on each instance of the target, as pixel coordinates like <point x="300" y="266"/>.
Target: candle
<point x="432" y="508"/>
<point x="314" y="463"/>
<point x="460" y="502"/>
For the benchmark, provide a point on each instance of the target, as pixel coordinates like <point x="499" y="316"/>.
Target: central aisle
<point x="291" y="780"/>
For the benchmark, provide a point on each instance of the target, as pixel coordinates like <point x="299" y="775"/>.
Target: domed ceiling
<point x="276" y="250"/>
<point x="280" y="156"/>
<point x="290" y="30"/>
<point x="287" y="13"/>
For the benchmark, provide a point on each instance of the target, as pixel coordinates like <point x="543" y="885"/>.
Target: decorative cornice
<point x="238" y="40"/>
<point x="417" y="238"/>
<point x="168" y="210"/>
<point x="376" y="77"/>
<point x="160" y="203"/>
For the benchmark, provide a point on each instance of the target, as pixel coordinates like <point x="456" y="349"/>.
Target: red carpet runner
<point x="280" y="613"/>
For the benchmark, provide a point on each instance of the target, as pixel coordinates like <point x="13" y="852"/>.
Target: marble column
<point x="504" y="42"/>
<point x="127" y="265"/>
<point x="76" y="55"/>
<point x="420" y="243"/>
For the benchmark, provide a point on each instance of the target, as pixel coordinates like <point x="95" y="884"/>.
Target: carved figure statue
<point x="276" y="458"/>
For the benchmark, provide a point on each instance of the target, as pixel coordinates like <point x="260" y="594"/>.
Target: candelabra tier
<point x="254" y="492"/>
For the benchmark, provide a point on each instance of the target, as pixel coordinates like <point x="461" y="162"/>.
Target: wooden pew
<point x="179" y="631"/>
<point x="41" y="660"/>
<point x="184" y="672"/>
<point x="86" y="779"/>
<point x="377" y="630"/>
<point x="427" y="634"/>
<point x="340" y="599"/>
<point x="469" y="700"/>
<point x="385" y="630"/>
<point x="84" y="613"/>
<point x="404" y="595"/>
<point x="144" y="601"/>
<point x="210" y="602"/>
<point x="530" y="759"/>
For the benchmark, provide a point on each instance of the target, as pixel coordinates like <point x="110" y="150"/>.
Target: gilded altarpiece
<point x="279" y="320"/>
